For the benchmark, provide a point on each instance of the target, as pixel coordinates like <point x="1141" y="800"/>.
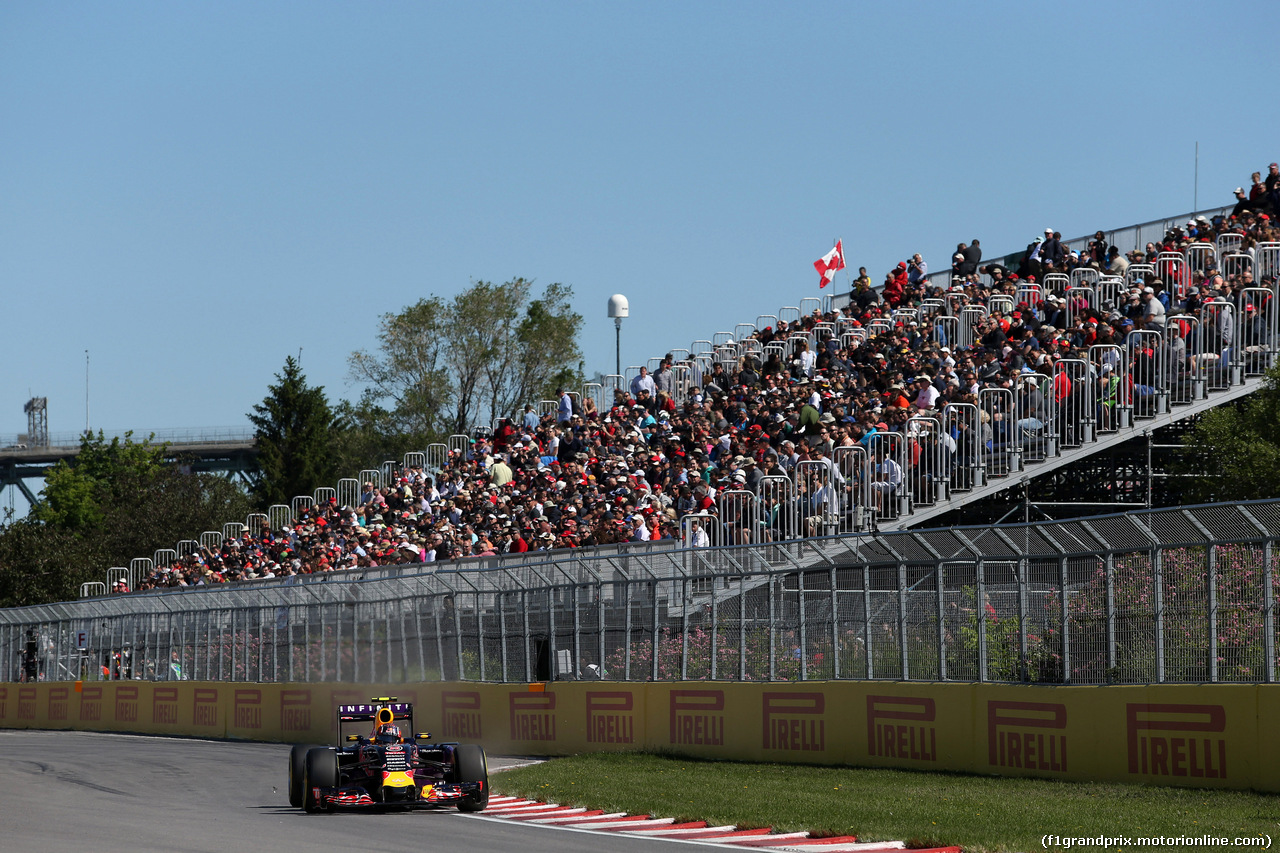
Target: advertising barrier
<point x="1189" y="735"/>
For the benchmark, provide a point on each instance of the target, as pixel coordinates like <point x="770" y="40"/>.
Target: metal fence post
<point x="715" y="631"/>
<point x="337" y="642"/>
<point x="600" y="617"/>
<point x="804" y="630"/>
<point x="979" y="571"/>
<point x="221" y="643"/>
<point x="404" y="644"/>
<point x="866" y="620"/>
<point x="626" y="626"/>
<point x="262" y="647"/>
<point x="835" y="626"/>
<point x="1066" y="620"/>
<point x="577" y="632"/>
<point x="940" y="578"/>
<point x="902" y="621"/>
<point x="1268" y="612"/>
<point x="480" y="634"/>
<point x="500" y="600"/>
<point x="437" y="605"/>
<point x="1111" y="612"/>
<point x="742" y="627"/>
<point x="324" y="644"/>
<point x="654" y="662"/>
<point x="684" y="629"/>
<point x="457" y="633"/>
<point x="1023" y="568"/>
<point x="773" y="630"/>
<point x="528" y="639"/>
<point x="417" y="636"/>
<point x="1211" y="571"/>
<point x="1157" y="581"/>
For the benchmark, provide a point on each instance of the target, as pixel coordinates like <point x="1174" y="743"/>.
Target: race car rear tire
<point x="322" y="772"/>
<point x="298" y="772"/>
<point x="470" y="765"/>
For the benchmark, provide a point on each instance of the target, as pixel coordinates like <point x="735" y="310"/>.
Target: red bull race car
<point x="387" y="768"/>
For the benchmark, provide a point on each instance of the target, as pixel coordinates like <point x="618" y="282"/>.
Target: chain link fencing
<point x="1170" y="595"/>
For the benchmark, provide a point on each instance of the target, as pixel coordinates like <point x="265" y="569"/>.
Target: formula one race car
<point x="389" y="768"/>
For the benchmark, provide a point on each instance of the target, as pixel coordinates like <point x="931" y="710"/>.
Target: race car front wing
<point x="354" y="796"/>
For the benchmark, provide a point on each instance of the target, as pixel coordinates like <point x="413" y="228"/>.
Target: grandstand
<point x="834" y="417"/>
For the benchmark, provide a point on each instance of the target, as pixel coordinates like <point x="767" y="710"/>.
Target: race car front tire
<point x="470" y="765"/>
<point x="322" y="772"/>
<point x="298" y="772"/>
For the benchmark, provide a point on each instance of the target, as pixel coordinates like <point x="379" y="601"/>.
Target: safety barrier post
<point x="1001" y="447"/>
<point x="962" y="425"/>
<point x="1074" y="401"/>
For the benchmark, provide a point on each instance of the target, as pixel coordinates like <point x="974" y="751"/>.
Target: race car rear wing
<point x="380" y="710"/>
<point x="368" y="713"/>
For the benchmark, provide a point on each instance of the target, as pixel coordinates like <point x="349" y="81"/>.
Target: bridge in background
<point x="228" y="450"/>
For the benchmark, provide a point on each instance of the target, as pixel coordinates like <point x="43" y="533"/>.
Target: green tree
<point x="114" y="501"/>
<point x="443" y="365"/>
<point x="78" y="492"/>
<point x="1237" y="448"/>
<point x="294" y="429"/>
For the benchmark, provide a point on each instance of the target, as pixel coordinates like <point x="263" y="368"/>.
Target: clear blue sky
<point x="194" y="191"/>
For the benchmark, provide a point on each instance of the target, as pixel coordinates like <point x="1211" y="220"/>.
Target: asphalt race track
<point x="82" y="792"/>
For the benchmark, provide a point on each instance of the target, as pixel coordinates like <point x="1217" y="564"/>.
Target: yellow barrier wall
<point x="1220" y="735"/>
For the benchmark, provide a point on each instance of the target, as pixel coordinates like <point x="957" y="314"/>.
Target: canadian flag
<point x="829" y="264"/>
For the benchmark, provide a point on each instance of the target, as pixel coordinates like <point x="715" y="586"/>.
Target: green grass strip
<point x="983" y="814"/>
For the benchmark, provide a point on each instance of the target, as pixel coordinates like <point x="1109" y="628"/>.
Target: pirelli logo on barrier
<point x="247" y="709"/>
<point x="91" y="703"/>
<point x="460" y="714"/>
<point x="204" y="709"/>
<point x="697" y="718"/>
<point x="532" y="716"/>
<point x="58" y="697"/>
<point x="295" y="710"/>
<point x="1190" y="742"/>
<point x="609" y="716"/>
<point x="164" y="706"/>
<point x="793" y="721"/>
<point x="1027" y="735"/>
<point x="127" y="703"/>
<point x="26" y="703"/>
<point x="902" y="727"/>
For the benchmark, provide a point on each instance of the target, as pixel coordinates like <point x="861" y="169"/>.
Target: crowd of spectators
<point x="630" y="470"/>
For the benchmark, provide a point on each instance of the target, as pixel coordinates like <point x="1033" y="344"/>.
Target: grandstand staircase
<point x="1072" y="456"/>
<point x="731" y="573"/>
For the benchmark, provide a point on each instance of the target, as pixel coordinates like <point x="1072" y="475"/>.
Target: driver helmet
<point x="388" y="734"/>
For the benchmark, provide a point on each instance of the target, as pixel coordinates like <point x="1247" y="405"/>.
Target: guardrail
<point x="1171" y="595"/>
<point x="192" y="435"/>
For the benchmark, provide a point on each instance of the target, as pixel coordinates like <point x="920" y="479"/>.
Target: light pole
<point x="618" y="309"/>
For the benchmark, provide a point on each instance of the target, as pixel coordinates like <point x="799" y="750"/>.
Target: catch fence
<point x="1170" y="595"/>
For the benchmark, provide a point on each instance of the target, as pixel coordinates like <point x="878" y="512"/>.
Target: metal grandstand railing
<point x="1170" y="595"/>
<point x="954" y="456"/>
<point x="1131" y="236"/>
